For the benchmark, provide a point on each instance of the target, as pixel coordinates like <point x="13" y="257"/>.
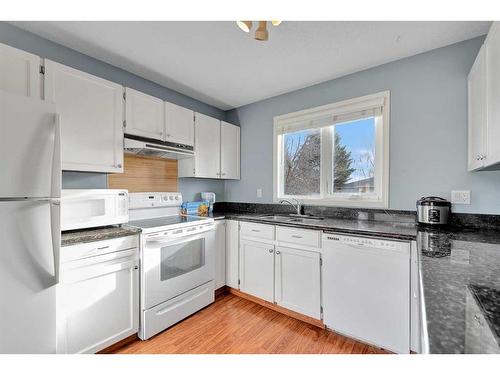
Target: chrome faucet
<point x="297" y="206"/>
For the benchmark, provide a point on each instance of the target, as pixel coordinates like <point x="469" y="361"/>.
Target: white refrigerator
<point x="30" y="236"/>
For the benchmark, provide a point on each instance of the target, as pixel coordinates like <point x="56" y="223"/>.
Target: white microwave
<point x="90" y="208"/>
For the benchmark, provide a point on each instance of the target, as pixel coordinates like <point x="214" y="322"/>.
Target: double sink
<point x="291" y="218"/>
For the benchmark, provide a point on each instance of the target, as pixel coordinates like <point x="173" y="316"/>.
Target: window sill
<point x="353" y="203"/>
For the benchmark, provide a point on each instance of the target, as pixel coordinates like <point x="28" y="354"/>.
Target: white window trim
<point x="382" y="135"/>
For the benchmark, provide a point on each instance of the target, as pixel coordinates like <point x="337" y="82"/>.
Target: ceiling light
<point x="244" y="25"/>
<point x="261" y="33"/>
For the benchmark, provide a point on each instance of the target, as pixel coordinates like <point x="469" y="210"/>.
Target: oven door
<point x="171" y="267"/>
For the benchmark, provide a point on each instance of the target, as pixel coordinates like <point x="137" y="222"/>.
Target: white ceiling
<point x="219" y="64"/>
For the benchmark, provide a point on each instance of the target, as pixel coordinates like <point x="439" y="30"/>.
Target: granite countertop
<point x="489" y="302"/>
<point x="400" y="230"/>
<point x="452" y="261"/>
<point x="74" y="237"/>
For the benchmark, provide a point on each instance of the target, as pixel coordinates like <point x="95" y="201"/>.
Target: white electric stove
<point x="177" y="260"/>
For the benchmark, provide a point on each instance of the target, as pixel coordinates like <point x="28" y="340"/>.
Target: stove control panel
<point x="155" y="199"/>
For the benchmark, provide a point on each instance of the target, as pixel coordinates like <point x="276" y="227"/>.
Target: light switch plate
<point x="259" y="193"/>
<point x="460" y="196"/>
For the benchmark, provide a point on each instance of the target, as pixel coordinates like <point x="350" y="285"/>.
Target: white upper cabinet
<point x="257" y="269"/>
<point x="298" y="281"/>
<point x="492" y="44"/>
<point x="484" y="105"/>
<point x="20" y="72"/>
<point x="179" y="124"/>
<point x="217" y="150"/>
<point x="91" y="111"/>
<point x="229" y="151"/>
<point x="476" y="84"/>
<point x="207" y="146"/>
<point x="144" y="115"/>
<point x="206" y="162"/>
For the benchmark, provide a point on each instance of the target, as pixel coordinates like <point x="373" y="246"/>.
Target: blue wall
<point x="32" y="43"/>
<point x="428" y="124"/>
<point x="428" y="137"/>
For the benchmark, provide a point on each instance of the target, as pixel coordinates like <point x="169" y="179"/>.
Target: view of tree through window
<point x="302" y="162"/>
<point x="353" y="159"/>
<point x="354" y="156"/>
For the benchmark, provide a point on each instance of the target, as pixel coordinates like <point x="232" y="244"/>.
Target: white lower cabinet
<point x="98" y="296"/>
<point x="280" y="273"/>
<point x="220" y="254"/>
<point x="257" y="269"/>
<point x="298" y="281"/>
<point x="232" y="253"/>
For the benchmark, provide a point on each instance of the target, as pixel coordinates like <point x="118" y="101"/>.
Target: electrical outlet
<point x="460" y="196"/>
<point x="259" y="193"/>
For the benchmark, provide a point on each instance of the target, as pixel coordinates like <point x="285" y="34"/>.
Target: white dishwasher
<point x="366" y="289"/>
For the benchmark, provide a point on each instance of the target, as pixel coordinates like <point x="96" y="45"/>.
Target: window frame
<point x="379" y="199"/>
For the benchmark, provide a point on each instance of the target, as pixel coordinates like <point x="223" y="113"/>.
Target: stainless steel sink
<point x="291" y="218"/>
<point x="275" y="217"/>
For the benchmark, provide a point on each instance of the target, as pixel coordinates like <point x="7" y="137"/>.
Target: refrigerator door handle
<point x="55" y="227"/>
<point x="56" y="160"/>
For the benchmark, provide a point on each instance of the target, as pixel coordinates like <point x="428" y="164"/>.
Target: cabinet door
<point x="232" y="253"/>
<point x="298" y="281"/>
<point x="207" y="146"/>
<point x="179" y="124"/>
<point x="493" y="94"/>
<point x="257" y="269"/>
<point x="476" y="91"/>
<point x="20" y="72"/>
<point x="91" y="111"/>
<point x="229" y="151"/>
<point x="220" y="254"/>
<point x="95" y="313"/>
<point x="144" y="115"/>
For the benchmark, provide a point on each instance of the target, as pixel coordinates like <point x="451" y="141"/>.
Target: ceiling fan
<point x="261" y="33"/>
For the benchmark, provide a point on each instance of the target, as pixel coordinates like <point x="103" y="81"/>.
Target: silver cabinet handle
<point x="295" y="236"/>
<point x="278" y="252"/>
<point x="255" y="230"/>
<point x="102" y="248"/>
<point x="271" y="250"/>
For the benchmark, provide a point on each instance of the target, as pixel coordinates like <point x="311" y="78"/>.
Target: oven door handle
<point x="172" y="236"/>
<point x="169" y="240"/>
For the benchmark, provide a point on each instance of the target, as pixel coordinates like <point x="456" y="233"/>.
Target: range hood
<point x="151" y="147"/>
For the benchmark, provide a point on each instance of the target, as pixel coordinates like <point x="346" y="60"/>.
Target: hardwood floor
<point x="233" y="325"/>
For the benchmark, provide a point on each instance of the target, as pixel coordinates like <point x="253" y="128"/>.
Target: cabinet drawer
<point x="90" y="249"/>
<point x="263" y="231"/>
<point x="296" y="236"/>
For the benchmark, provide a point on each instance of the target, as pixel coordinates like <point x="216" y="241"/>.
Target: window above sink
<point x="336" y="154"/>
